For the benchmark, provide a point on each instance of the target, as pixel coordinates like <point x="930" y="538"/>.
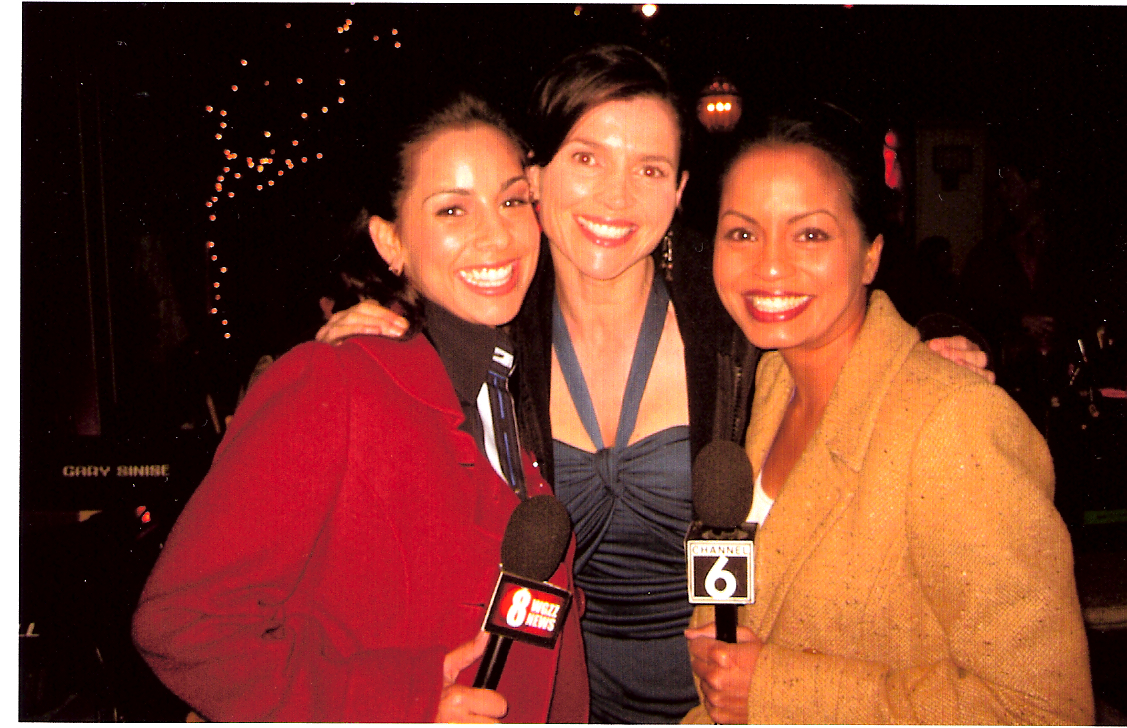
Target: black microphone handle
<point x="726" y="623"/>
<point x="493" y="661"/>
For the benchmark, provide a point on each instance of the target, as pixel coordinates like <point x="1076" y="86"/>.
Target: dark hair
<point x="369" y="274"/>
<point x="849" y="142"/>
<point x="589" y="78"/>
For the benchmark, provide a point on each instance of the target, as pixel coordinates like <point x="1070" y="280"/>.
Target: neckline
<point x="645" y="348"/>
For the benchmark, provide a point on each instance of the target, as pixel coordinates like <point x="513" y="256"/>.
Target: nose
<point x="775" y="259"/>
<point x="618" y="188"/>
<point x="493" y="231"/>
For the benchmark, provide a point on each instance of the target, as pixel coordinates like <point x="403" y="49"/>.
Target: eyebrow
<point x="465" y="192"/>
<point x="645" y="157"/>
<point x="790" y="220"/>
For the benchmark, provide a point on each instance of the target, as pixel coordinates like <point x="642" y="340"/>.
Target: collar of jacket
<point x="414" y="366"/>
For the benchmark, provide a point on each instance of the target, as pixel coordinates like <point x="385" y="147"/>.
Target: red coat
<point x="346" y="538"/>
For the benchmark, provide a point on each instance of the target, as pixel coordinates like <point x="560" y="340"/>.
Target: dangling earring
<point x="666" y="260"/>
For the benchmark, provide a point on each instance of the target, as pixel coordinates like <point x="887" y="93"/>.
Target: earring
<point x="666" y="260"/>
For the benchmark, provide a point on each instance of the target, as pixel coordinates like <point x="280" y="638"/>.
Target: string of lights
<point x="247" y="139"/>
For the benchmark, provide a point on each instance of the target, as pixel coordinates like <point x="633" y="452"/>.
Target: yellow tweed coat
<point x="913" y="568"/>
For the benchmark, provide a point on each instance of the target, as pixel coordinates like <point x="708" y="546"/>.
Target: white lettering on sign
<point x="122" y="471"/>
<point x="698" y="548"/>
<point x="540" y="621"/>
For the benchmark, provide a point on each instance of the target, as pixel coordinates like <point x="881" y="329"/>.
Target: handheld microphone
<point x="720" y="550"/>
<point x="525" y="606"/>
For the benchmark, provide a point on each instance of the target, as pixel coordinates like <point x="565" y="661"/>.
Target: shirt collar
<point x="466" y="349"/>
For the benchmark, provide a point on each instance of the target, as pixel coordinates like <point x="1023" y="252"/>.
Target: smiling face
<point x="466" y="236"/>
<point x="609" y="193"/>
<point x="790" y="263"/>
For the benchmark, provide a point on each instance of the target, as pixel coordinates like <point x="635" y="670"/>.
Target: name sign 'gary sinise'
<point x="721" y="572"/>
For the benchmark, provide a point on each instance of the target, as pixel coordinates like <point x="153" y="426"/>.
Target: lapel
<point x="824" y="481"/>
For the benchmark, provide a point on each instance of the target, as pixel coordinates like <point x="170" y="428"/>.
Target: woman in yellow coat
<point x="911" y="567"/>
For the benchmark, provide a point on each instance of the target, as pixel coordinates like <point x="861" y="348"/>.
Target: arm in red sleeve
<point x="225" y="620"/>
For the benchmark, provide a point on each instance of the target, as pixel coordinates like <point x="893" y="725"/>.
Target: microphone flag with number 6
<point x="525" y="606"/>
<point x="719" y="548"/>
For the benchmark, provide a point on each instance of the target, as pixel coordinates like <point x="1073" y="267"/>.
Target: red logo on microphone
<point x="527" y="610"/>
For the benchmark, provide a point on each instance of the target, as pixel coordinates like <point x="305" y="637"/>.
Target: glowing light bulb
<point x="227" y="335"/>
<point x="210" y="244"/>
<point x="648" y="10"/>
<point x="578" y="9"/>
<point x="266" y="133"/>
<point x="223" y="269"/>
<point x="281" y="172"/>
<point x="324" y="109"/>
<point x="340" y="28"/>
<point x="215" y="257"/>
<point x="234" y="88"/>
<point x="208" y="203"/>
<point x="238" y="176"/>
<point x="211" y="217"/>
<point x="222" y="112"/>
<point x="259" y="186"/>
<point x="304" y="115"/>
<point x="258" y="168"/>
<point x="287" y="25"/>
<point x="217" y="296"/>
<point x="218" y="136"/>
<point x="711" y="107"/>
<point x="215" y="285"/>
<point x="224" y="322"/>
<point x="300" y="81"/>
<point x="218" y="187"/>
<point x="265" y="83"/>
<point x="215" y="310"/>
<point x="342" y="82"/>
<point x="375" y="37"/>
<point x="215" y="199"/>
<point x="394" y="31"/>
<point x="250" y="162"/>
<point x="270" y="183"/>
<point x="207" y="109"/>
<point x="318" y="155"/>
<point x="244" y="61"/>
<point x="220" y="178"/>
<point x="396" y="44"/>
<point x="340" y="99"/>
<point x="226" y="169"/>
<point x="304" y="160"/>
<point x="230" y="194"/>
<point x="295" y="142"/>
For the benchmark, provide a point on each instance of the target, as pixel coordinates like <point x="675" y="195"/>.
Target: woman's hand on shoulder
<point x="462" y="704"/>
<point x="365" y="318"/>
<point x="960" y="350"/>
<point x="724" y="670"/>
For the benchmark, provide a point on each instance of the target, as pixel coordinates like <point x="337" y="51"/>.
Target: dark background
<point x="118" y="350"/>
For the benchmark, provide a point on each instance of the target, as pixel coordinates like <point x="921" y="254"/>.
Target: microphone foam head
<point x="722" y="485"/>
<point x="536" y="538"/>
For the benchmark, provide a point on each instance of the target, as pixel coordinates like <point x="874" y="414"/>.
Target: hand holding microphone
<point x="536" y="539"/>
<point x="721" y="560"/>
<point x="720" y="551"/>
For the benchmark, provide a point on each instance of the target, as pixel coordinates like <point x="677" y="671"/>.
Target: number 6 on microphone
<point x="721" y="572"/>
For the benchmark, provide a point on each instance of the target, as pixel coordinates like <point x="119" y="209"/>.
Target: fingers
<point x="964" y="353"/>
<point x="463" y="656"/>
<point x="365" y="319"/>
<point x="463" y="704"/>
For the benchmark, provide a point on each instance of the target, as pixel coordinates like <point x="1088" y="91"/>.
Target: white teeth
<point x="777" y="304"/>
<point x="600" y="230"/>
<point x="487" y="277"/>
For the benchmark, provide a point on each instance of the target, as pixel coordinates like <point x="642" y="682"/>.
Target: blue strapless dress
<point x="630" y="507"/>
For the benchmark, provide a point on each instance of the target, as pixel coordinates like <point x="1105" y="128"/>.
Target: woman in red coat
<point x="336" y="562"/>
